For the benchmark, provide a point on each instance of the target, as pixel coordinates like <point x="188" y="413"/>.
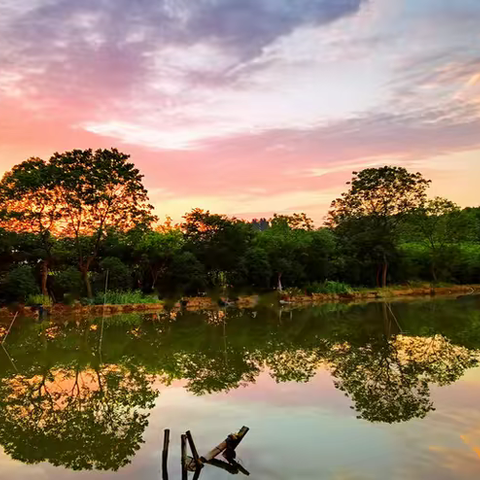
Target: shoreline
<point x="251" y="301"/>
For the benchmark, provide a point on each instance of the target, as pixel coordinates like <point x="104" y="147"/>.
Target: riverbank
<point x="252" y="301"/>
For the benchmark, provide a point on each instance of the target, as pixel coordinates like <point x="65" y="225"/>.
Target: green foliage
<point x="114" y="297"/>
<point x="186" y="276"/>
<point x="19" y="283"/>
<point x="119" y="275"/>
<point x="71" y="219"/>
<point x="157" y="252"/>
<point x="39" y="300"/>
<point x="66" y="281"/>
<point x="369" y="216"/>
<point x="219" y="243"/>
<point x="329" y="287"/>
<point x="257" y="265"/>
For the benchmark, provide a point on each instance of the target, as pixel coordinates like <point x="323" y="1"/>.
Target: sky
<point x="247" y="107"/>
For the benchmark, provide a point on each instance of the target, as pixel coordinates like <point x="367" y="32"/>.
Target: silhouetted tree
<point x="373" y="209"/>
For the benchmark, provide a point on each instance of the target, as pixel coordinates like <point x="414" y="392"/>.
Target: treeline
<point x="80" y="224"/>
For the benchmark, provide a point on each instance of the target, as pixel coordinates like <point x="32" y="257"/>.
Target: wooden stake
<point x="166" y="442"/>
<point x="240" y="467"/>
<point x="231" y="442"/>
<point x="223" y="465"/>
<point x="197" y="473"/>
<point x="184" y="457"/>
<point x="193" y="449"/>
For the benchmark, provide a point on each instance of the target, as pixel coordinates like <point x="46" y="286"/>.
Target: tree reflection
<point x="81" y="420"/>
<point x="75" y="394"/>
<point x="389" y="380"/>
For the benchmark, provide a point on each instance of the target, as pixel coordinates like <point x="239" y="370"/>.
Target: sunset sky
<point x="247" y="107"/>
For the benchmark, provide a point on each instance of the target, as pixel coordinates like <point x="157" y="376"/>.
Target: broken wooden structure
<point x="195" y="463"/>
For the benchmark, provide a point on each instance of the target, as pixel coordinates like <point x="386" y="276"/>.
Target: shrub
<point x="119" y="275"/>
<point x="39" y="300"/>
<point x="329" y="287"/>
<point x="68" y="281"/>
<point x="116" y="297"/>
<point x="19" y="284"/>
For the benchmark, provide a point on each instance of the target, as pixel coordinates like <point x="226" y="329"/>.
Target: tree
<point x="98" y="190"/>
<point x="79" y="194"/>
<point x="219" y="242"/>
<point x="156" y="251"/>
<point x="288" y="251"/>
<point x="19" y="283"/>
<point x="295" y="221"/>
<point x="258" y="267"/>
<point x="378" y="201"/>
<point x="32" y="206"/>
<point x="440" y="224"/>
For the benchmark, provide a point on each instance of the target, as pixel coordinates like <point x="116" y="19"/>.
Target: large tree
<point x="79" y="194"/>
<point x="441" y="226"/>
<point x="32" y="205"/>
<point x="375" y="206"/>
<point x="219" y="242"/>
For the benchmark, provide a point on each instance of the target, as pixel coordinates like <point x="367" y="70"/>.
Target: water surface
<point x="369" y="391"/>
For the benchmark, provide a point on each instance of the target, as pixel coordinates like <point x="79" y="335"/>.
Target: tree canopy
<point x="86" y="213"/>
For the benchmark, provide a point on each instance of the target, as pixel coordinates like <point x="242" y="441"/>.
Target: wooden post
<point x="223" y="465"/>
<point x="184" y="457"/>
<point x="240" y="467"/>
<point x="166" y="441"/>
<point x="193" y="449"/>
<point x="230" y="442"/>
<point x="197" y="473"/>
<point x="239" y="436"/>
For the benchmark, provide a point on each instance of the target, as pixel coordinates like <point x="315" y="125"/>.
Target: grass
<point x="39" y="300"/>
<point x="116" y="297"/>
<point x="330" y="288"/>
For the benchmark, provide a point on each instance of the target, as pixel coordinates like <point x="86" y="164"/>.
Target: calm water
<point x="372" y="391"/>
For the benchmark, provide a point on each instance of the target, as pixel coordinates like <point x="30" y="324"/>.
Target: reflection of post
<point x="106" y="287"/>
<point x="166" y="441"/>
<point x="10" y="358"/>
<point x="388" y="315"/>
<point x="224" y="466"/>
<point x="197" y="473"/>
<point x="386" y="320"/>
<point x="225" y="337"/>
<point x="184" y="457"/>
<point x="100" y="343"/>
<point x="395" y="318"/>
<point x="9" y="328"/>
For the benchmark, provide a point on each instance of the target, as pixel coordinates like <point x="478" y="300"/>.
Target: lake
<point x="371" y="391"/>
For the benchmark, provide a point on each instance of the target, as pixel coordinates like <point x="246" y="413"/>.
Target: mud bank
<point x="206" y="303"/>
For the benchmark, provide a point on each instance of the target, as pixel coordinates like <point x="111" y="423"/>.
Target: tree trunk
<point x="384" y="271"/>
<point x="44" y="274"/>
<point x="86" y="280"/>
<point x="379" y="270"/>
<point x="279" y="285"/>
<point x="434" y="272"/>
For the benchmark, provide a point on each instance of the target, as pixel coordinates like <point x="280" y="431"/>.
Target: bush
<point x="19" y="284"/>
<point x="329" y="287"/>
<point x="116" y="297"/>
<point x="68" y="281"/>
<point x="119" y="275"/>
<point x="39" y="300"/>
<point x="291" y="292"/>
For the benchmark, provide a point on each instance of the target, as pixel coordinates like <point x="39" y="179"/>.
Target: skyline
<point x="247" y="107"/>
